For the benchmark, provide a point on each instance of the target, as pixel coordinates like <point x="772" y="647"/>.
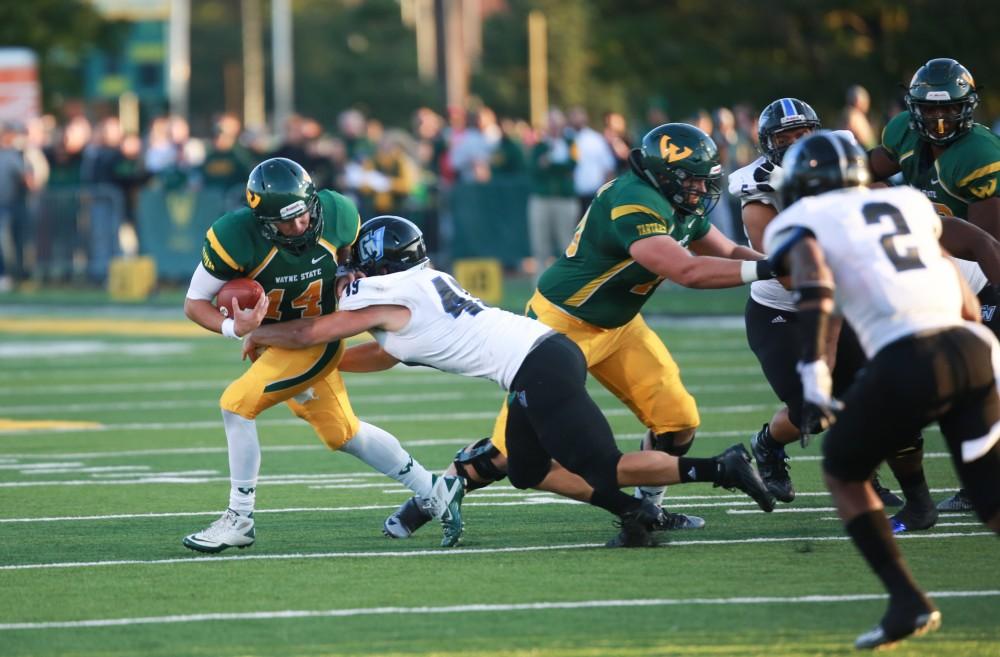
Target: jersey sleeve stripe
<point x="329" y="247"/>
<point x="221" y="251"/>
<point x="904" y="156"/>
<point x="270" y="256"/>
<point x="585" y="292"/>
<point x="951" y="193"/>
<point x="979" y="173"/>
<point x="623" y="210"/>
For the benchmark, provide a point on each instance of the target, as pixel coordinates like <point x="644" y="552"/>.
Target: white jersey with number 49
<point x="882" y="245"/>
<point x="449" y="329"/>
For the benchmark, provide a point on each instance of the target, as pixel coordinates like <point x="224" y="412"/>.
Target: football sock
<point x="653" y="493"/>
<point x="614" y="500"/>
<point x="767" y="440"/>
<point x="693" y="469"/>
<point x="244" y="461"/>
<point x="872" y="535"/>
<point x="380" y="449"/>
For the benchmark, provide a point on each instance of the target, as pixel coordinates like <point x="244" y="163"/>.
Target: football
<point x="246" y="291"/>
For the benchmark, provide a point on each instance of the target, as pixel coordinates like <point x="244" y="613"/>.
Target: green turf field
<point x="128" y="456"/>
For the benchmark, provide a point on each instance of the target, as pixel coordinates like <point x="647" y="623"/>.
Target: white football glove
<point x="819" y="408"/>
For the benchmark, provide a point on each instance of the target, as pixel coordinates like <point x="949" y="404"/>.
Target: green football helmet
<point x="942" y="83"/>
<point x="673" y="154"/>
<point x="280" y="190"/>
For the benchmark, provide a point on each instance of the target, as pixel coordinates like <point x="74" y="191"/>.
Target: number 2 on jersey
<point x="455" y="302"/>
<point x="908" y="259"/>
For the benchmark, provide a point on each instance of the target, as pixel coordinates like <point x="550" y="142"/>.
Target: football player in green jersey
<point x="296" y="242"/>
<point x="646" y="226"/>
<point x="955" y="162"/>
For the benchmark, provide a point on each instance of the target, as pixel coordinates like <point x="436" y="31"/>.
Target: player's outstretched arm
<point x="714" y="243"/>
<point x="300" y="333"/>
<point x="664" y="256"/>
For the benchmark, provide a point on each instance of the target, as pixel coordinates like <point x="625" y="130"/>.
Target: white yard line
<point x="455" y="552"/>
<point x="470" y="608"/>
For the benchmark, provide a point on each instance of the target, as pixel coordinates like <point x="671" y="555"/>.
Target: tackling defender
<point x="295" y="241"/>
<point x="878" y="251"/>
<point x="646" y="226"/>
<point x="422" y="316"/>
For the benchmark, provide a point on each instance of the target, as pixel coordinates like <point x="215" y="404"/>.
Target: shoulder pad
<point x="753" y="182"/>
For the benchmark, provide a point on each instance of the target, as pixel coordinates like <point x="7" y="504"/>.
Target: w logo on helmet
<point x="670" y="152"/>
<point x="371" y="246"/>
<point x="253" y="200"/>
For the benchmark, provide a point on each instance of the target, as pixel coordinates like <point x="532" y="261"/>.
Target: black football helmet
<point x="783" y="114"/>
<point x="387" y="244"/>
<point x="942" y="83"/>
<point x="280" y="190"/>
<point x="821" y="162"/>
<point x="674" y="153"/>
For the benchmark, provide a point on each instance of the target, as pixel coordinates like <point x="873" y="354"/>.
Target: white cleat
<point x="231" y="530"/>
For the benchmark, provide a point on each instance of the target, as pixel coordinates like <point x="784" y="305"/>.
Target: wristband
<point x="229" y="328"/>
<point x="755" y="270"/>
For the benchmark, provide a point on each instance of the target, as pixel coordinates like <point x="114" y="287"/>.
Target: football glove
<point x="819" y="408"/>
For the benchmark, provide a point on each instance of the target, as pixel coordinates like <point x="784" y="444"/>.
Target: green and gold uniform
<point x="593" y="293"/>
<point x="967" y="171"/>
<point x="297" y="286"/>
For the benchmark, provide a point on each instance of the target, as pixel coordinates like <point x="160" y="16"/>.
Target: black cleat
<point x="957" y="503"/>
<point x="772" y="464"/>
<point x="672" y="521"/>
<point x="894" y="627"/>
<point x="405" y="520"/>
<point x="911" y="519"/>
<point x="737" y="473"/>
<point x="637" y="527"/>
<point x="887" y="496"/>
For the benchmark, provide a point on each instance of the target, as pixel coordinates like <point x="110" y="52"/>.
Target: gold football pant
<point x="307" y="380"/>
<point x="631" y="361"/>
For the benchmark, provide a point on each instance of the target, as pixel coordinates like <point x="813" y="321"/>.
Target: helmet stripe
<point x="788" y="107"/>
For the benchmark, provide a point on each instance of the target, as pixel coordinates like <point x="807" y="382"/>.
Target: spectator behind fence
<point x="508" y="156"/>
<point x="616" y="134"/>
<point x="552" y="206"/>
<point x="14" y="175"/>
<point x="595" y="163"/>
<point x="470" y="150"/>
<point x="226" y="163"/>
<point x="102" y="199"/>
<point x="855" y="117"/>
<point x="56" y="237"/>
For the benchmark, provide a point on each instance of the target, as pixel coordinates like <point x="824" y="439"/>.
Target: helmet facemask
<point x="938" y="125"/>
<point x="294" y="244"/>
<point x="679" y="186"/>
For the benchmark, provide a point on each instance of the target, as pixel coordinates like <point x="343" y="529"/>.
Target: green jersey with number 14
<point x="297" y="285"/>
<point x="595" y="279"/>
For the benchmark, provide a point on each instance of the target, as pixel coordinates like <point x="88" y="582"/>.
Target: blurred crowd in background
<point x="70" y="189"/>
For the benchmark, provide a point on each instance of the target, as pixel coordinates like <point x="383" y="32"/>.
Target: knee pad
<point x="667" y="442"/>
<point x="479" y="456"/>
<point x="333" y="426"/>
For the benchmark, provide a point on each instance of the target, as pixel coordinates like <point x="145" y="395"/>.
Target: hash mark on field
<point x="453" y="552"/>
<point x="463" y="609"/>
